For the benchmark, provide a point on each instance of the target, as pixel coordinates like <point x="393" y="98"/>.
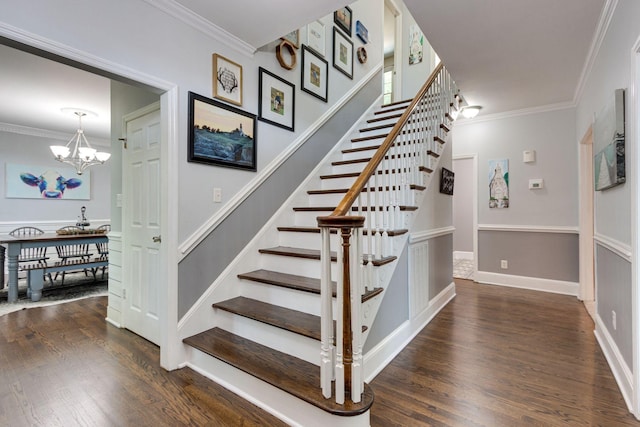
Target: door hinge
<point x="124" y="142"/>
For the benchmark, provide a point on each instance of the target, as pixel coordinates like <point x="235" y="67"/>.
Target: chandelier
<point x="83" y="155"/>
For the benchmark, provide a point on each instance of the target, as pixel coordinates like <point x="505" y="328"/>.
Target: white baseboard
<point x="376" y="359"/>
<point x="621" y="371"/>
<point x="525" y="282"/>
<point x="463" y="255"/>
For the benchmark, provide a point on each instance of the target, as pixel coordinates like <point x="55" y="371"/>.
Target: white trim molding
<point x="463" y="255"/>
<point x="526" y="282"/>
<point x="529" y="228"/>
<point x="621" y="249"/>
<point x="618" y="366"/>
<point x="197" y="22"/>
<point x="515" y="113"/>
<point x="48" y="134"/>
<point x="421" y="236"/>
<point x="208" y="226"/>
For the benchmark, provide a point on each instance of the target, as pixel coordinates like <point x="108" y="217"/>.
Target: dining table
<point x="15" y="244"/>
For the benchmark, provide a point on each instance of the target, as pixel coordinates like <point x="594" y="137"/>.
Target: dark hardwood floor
<point x="493" y="357"/>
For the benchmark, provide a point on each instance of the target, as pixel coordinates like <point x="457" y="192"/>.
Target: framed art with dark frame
<point x="227" y="80"/>
<point x="220" y="134"/>
<point x="342" y="53"/>
<point x="446" y="181"/>
<point x="315" y="74"/>
<point x="343" y="17"/>
<point x="277" y="102"/>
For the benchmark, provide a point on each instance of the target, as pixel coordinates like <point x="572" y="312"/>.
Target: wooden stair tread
<point x="290" y="374"/>
<point x="298" y="322"/>
<point x="354" y="208"/>
<point x="344" y="190"/>
<point x="300" y="283"/>
<point x="389" y="109"/>
<point x="302" y="229"/>
<point x="389" y="117"/>
<point x="370" y="137"/>
<point x="378" y="127"/>
<point x="404" y="101"/>
<point x="315" y="254"/>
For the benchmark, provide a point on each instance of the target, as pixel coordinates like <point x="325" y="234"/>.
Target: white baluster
<point x="327" y="351"/>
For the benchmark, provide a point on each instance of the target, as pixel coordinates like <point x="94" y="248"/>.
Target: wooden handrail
<point x="361" y="182"/>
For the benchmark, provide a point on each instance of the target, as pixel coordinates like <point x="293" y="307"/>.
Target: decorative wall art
<point x="315" y="74"/>
<point x="342" y="53"/>
<point x="446" y="181"/>
<point x="342" y="18"/>
<point x="316" y="37"/>
<point x="362" y="32"/>
<point x="220" y="134"/>
<point x="45" y="182"/>
<point x="499" y="183"/>
<point x="609" y="137"/>
<point x="416" y="44"/>
<point x="227" y="80"/>
<point x="277" y="100"/>
<point x="293" y="37"/>
<point x="284" y="49"/>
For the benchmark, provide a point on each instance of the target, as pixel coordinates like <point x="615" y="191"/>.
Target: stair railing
<point x="374" y="203"/>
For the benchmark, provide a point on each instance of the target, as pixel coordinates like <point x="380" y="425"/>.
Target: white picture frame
<point x="316" y="37"/>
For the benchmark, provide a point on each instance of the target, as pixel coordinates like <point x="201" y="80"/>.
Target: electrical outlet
<point x="613" y="320"/>
<point x="217" y="195"/>
<point x="504" y="264"/>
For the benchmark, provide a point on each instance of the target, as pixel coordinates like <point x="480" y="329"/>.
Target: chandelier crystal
<point x="83" y="154"/>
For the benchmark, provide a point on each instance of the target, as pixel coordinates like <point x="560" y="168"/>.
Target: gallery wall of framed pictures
<point x="304" y="54"/>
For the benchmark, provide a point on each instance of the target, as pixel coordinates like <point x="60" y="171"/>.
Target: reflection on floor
<point x="462" y="268"/>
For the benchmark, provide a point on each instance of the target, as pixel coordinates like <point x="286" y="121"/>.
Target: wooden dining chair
<point x="73" y="251"/>
<point x="31" y="255"/>
<point x="103" y="247"/>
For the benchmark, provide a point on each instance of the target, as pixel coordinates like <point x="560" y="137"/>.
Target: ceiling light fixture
<point x="471" y="111"/>
<point x="83" y="154"/>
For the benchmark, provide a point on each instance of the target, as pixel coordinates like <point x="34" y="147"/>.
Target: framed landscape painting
<point x="220" y="134"/>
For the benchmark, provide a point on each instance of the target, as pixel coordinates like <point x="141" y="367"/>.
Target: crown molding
<point x="515" y="113"/>
<point x="187" y="16"/>
<point x="603" y="25"/>
<point x="48" y="134"/>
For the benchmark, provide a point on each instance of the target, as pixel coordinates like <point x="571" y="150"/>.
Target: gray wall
<point x="543" y="255"/>
<point x="614" y="290"/>
<point x="613" y="219"/>
<point x="464" y="183"/>
<point x="204" y="264"/>
<point x="394" y="309"/>
<point x="440" y="264"/>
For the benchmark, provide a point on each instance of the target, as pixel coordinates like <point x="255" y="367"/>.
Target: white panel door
<point x="141" y="222"/>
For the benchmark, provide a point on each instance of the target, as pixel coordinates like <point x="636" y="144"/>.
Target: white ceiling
<point x="504" y="54"/>
<point x="510" y="55"/>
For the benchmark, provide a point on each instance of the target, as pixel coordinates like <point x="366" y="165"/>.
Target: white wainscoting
<point x="525" y="282"/>
<point x="621" y="371"/>
<point x="116" y="300"/>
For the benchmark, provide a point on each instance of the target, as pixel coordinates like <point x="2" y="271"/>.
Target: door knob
<point x="157" y="239"/>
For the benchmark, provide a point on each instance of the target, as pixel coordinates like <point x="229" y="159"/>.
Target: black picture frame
<point x="214" y="140"/>
<point x="343" y="18"/>
<point x="276" y="100"/>
<point x="315" y="74"/>
<point x="342" y="53"/>
<point x="446" y="181"/>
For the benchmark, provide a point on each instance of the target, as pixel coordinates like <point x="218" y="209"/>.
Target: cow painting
<point x="50" y="183"/>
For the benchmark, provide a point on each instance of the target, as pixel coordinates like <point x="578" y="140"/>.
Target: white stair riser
<point x="304" y="240"/>
<point x="366" y="143"/>
<point x="359" y="154"/>
<point x="306" y="302"/>
<point x="292" y="265"/>
<point x="279" y="339"/>
<point x="331" y="183"/>
<point x="348" y="168"/>
<point x="309" y="219"/>
<point x="334" y="199"/>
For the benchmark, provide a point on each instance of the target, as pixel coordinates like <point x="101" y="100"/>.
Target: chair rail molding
<point x="529" y="228"/>
<point x="621" y="249"/>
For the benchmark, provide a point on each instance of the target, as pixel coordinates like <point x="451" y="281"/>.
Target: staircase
<point x="275" y="327"/>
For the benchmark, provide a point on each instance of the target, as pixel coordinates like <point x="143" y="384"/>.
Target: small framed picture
<point x="315" y="74"/>
<point x="227" y="80"/>
<point x="342" y="17"/>
<point x="277" y="100"/>
<point x="316" y="37"/>
<point x="446" y="181"/>
<point x="293" y="37"/>
<point x="220" y="134"/>
<point x="342" y="53"/>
